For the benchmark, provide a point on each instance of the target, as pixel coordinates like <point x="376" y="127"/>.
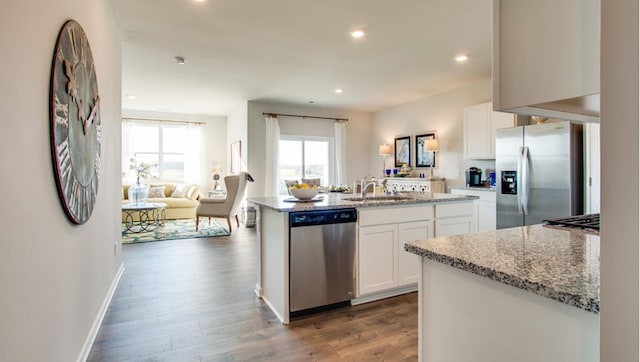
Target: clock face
<point x="75" y="123"/>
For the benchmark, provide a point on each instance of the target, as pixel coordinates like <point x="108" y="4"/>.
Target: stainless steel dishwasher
<point x="321" y="259"/>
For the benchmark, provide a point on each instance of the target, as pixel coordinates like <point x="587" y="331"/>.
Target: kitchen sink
<point x="379" y="198"/>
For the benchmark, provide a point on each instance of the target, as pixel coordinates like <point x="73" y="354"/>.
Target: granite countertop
<point x="337" y="201"/>
<point x="475" y="188"/>
<point x="558" y="263"/>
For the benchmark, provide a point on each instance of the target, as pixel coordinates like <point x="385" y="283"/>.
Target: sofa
<point x="181" y="199"/>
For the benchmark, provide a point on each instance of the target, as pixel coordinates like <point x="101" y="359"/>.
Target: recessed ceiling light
<point x="179" y="60"/>
<point x="461" y="58"/>
<point x="357" y="34"/>
<point x="131" y="96"/>
<point x="199" y="1"/>
<point x="339" y="90"/>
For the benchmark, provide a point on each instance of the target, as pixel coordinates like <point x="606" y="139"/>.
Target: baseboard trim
<point x="93" y="332"/>
<point x="258" y="291"/>
<point x="386" y="294"/>
<point x="280" y="317"/>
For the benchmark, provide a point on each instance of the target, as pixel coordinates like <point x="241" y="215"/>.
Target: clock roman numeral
<point x="72" y="43"/>
<point x="96" y="165"/>
<point x="61" y="112"/>
<point x="73" y="195"/>
<point x="85" y="202"/>
<point x="84" y="45"/>
<point x="64" y="158"/>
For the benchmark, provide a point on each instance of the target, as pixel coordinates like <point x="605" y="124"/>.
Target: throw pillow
<point x="156" y="192"/>
<point x="192" y="188"/>
<point x="180" y="191"/>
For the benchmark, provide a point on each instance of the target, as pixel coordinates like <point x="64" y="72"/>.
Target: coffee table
<point x="150" y="216"/>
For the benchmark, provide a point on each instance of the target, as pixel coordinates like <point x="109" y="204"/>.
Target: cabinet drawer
<point x="453" y="210"/>
<point x="392" y="215"/>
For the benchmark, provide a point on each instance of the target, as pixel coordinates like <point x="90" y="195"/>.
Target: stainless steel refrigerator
<point x="539" y="171"/>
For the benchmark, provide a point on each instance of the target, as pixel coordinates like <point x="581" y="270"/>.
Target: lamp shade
<point x="385" y="150"/>
<point x="432" y="145"/>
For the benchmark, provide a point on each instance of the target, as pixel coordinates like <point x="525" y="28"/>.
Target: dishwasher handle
<point x="322" y="217"/>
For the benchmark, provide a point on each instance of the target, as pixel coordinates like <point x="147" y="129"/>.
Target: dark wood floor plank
<point x="193" y="300"/>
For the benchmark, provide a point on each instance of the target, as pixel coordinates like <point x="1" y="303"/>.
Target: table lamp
<point x="216" y="169"/>
<point x="432" y="146"/>
<point x="385" y="151"/>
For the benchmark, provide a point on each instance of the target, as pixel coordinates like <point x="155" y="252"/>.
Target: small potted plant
<point x="139" y="193"/>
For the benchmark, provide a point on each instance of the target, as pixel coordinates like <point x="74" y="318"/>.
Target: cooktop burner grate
<point x="590" y="221"/>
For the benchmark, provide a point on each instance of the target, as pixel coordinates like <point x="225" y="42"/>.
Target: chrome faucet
<point x="364" y="186"/>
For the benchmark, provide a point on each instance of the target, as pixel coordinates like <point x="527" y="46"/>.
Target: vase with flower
<point x="139" y="192"/>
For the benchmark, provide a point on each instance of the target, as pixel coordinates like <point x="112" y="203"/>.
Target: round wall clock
<point x="75" y="123"/>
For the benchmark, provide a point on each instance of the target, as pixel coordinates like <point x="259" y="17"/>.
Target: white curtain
<point x="271" y="162"/>
<point x="193" y="160"/>
<point x="340" y="135"/>
<point x="127" y="176"/>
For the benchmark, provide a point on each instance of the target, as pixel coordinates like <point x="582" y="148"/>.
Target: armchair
<point x="225" y="208"/>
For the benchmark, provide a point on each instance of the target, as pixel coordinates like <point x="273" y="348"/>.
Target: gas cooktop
<point x="590" y="221"/>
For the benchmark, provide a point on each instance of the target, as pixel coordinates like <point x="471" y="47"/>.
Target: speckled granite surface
<point x="558" y="263"/>
<point x="337" y="201"/>
<point x="490" y="189"/>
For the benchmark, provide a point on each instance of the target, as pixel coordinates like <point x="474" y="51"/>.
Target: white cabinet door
<point x="377" y="258"/>
<point x="409" y="264"/>
<point x="485" y="215"/>
<point x="477" y="131"/>
<point x="454" y="226"/>
<point x="484" y="208"/>
<point x="480" y="124"/>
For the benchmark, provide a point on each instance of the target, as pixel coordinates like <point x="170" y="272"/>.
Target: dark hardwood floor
<point x="193" y="300"/>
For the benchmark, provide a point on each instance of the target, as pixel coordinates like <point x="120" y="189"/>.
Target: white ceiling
<point x="297" y="51"/>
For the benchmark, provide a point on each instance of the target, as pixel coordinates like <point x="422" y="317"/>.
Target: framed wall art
<point x="402" y="152"/>
<point x="425" y="152"/>
<point x="236" y="157"/>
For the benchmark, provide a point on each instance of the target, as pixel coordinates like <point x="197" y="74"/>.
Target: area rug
<point x="177" y="229"/>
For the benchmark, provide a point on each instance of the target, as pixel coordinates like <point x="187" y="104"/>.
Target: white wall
<point x="54" y="275"/>
<point x="358" y="137"/>
<point x="237" y="131"/>
<point x="442" y="113"/>
<point x="214" y="140"/>
<point x="619" y="134"/>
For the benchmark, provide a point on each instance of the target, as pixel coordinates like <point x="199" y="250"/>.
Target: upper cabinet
<point x="480" y="124"/>
<point x="546" y="58"/>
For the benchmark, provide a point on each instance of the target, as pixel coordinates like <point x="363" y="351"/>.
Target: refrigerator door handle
<point x="526" y="180"/>
<point x="519" y="181"/>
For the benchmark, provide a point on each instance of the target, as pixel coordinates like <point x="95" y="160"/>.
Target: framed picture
<point x="425" y="158"/>
<point x="402" y="151"/>
<point x="236" y="157"/>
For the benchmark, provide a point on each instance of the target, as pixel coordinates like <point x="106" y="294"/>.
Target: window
<point x="169" y="145"/>
<point x="304" y="157"/>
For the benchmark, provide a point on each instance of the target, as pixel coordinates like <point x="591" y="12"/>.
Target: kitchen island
<point x="520" y="294"/>
<point x="384" y="222"/>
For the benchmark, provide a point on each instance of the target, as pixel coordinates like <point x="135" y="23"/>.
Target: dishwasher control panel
<point x="322" y="217"/>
